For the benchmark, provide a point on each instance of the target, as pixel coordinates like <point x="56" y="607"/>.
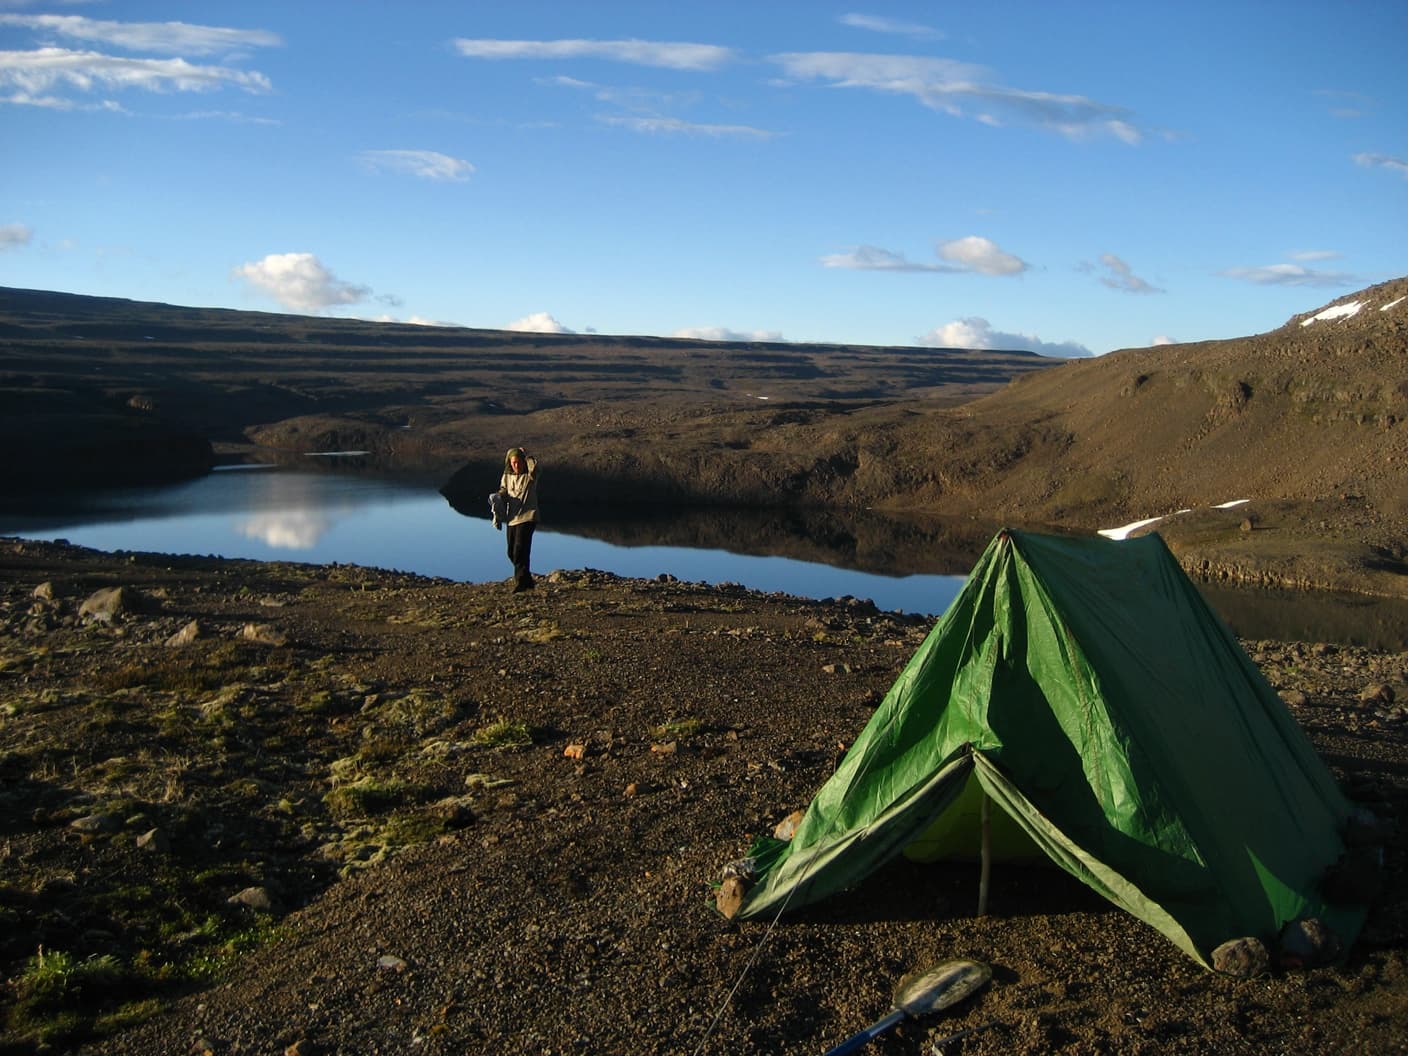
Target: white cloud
<point x="173" y="38"/>
<point x="873" y="258"/>
<point x="675" y="56"/>
<point x="40" y="71"/>
<point x="426" y="164"/>
<point x="880" y="24"/>
<point x="300" y="281"/>
<point x="1122" y="277"/>
<point x="972" y="254"/>
<point x="979" y="254"/>
<point x="975" y="332"/>
<point x="14" y="235"/>
<point x="1162" y="340"/>
<point x="1382" y="161"/>
<point x="723" y="333"/>
<point x="962" y="89"/>
<point x="538" y="323"/>
<point x="1315" y="254"/>
<point x="1289" y="275"/>
<point x="674" y="126"/>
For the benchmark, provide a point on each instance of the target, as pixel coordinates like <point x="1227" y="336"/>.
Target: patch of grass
<point x="677" y="729"/>
<point x="504" y="733"/>
<point x="56" y="991"/>
<point x="370" y="795"/>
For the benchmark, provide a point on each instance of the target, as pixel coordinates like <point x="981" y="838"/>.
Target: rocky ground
<point x="274" y="808"/>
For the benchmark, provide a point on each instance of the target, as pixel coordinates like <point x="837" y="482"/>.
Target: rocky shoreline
<point x="262" y="807"/>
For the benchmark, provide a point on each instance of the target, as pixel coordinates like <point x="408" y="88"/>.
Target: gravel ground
<point x="339" y="741"/>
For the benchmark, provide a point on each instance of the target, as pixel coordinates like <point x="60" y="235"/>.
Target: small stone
<point x="255" y="898"/>
<point x="575" y="751"/>
<point x="106" y="605"/>
<point x="1378" y="693"/>
<point x="95" y="823"/>
<point x="390" y="964"/>
<point x="837" y="669"/>
<point x="1294" y="698"/>
<point x="665" y="749"/>
<point x="201" y="1046"/>
<point x="631" y="791"/>
<point x="787" y="827"/>
<point x="1243" y="958"/>
<point x="456" y="812"/>
<point x="263" y="634"/>
<point x="729" y="897"/>
<point x="154" y="840"/>
<point x="301" y="1047"/>
<point x="185" y="636"/>
<point x="43" y="592"/>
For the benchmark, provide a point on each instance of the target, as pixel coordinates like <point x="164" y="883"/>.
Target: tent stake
<point x="986" y="867"/>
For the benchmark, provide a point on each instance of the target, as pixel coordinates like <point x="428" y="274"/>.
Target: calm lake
<point x="274" y="513"/>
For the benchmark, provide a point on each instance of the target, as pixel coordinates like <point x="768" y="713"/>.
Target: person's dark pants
<point x="520" y="547"/>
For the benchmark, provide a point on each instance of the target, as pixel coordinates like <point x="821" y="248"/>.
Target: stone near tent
<point x="1308" y="943"/>
<point x="185" y="636"/>
<point x="1295" y="698"/>
<point x="1245" y="957"/>
<point x="43" y="592"/>
<point x="729" y="897"/>
<point x="263" y="634"/>
<point x="1379" y="693"/>
<point x="787" y="827"/>
<point x="93" y="824"/>
<point x="255" y="898"/>
<point x="154" y="840"/>
<point x="575" y="751"/>
<point x="110" y="603"/>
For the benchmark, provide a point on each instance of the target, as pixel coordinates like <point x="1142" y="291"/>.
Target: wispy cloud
<point x="38" y="72"/>
<point x="976" y="332"/>
<point x="676" y="126"/>
<point x="880" y="24"/>
<point x="1382" y="161"/>
<point x="970" y="255"/>
<point x="425" y="164"/>
<point x="1289" y="275"/>
<point x="1121" y="277"/>
<point x="1315" y="254"/>
<point x="675" y="56"/>
<point x="539" y="323"/>
<point x="723" y="333"/>
<point x="300" y="281"/>
<point x="962" y="90"/>
<point x="171" y="38"/>
<point x="13" y="236"/>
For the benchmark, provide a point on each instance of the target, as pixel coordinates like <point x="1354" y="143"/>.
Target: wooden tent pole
<point x="986" y="868"/>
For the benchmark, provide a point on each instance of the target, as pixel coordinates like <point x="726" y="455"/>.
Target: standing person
<point x="519" y="489"/>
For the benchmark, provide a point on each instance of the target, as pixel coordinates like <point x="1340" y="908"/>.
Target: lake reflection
<point x="324" y="518"/>
<point x="269" y="513"/>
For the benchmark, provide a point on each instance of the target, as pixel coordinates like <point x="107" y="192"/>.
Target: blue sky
<point x="1066" y="177"/>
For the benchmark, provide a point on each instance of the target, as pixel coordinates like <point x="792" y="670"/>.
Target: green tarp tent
<point x="1117" y="726"/>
